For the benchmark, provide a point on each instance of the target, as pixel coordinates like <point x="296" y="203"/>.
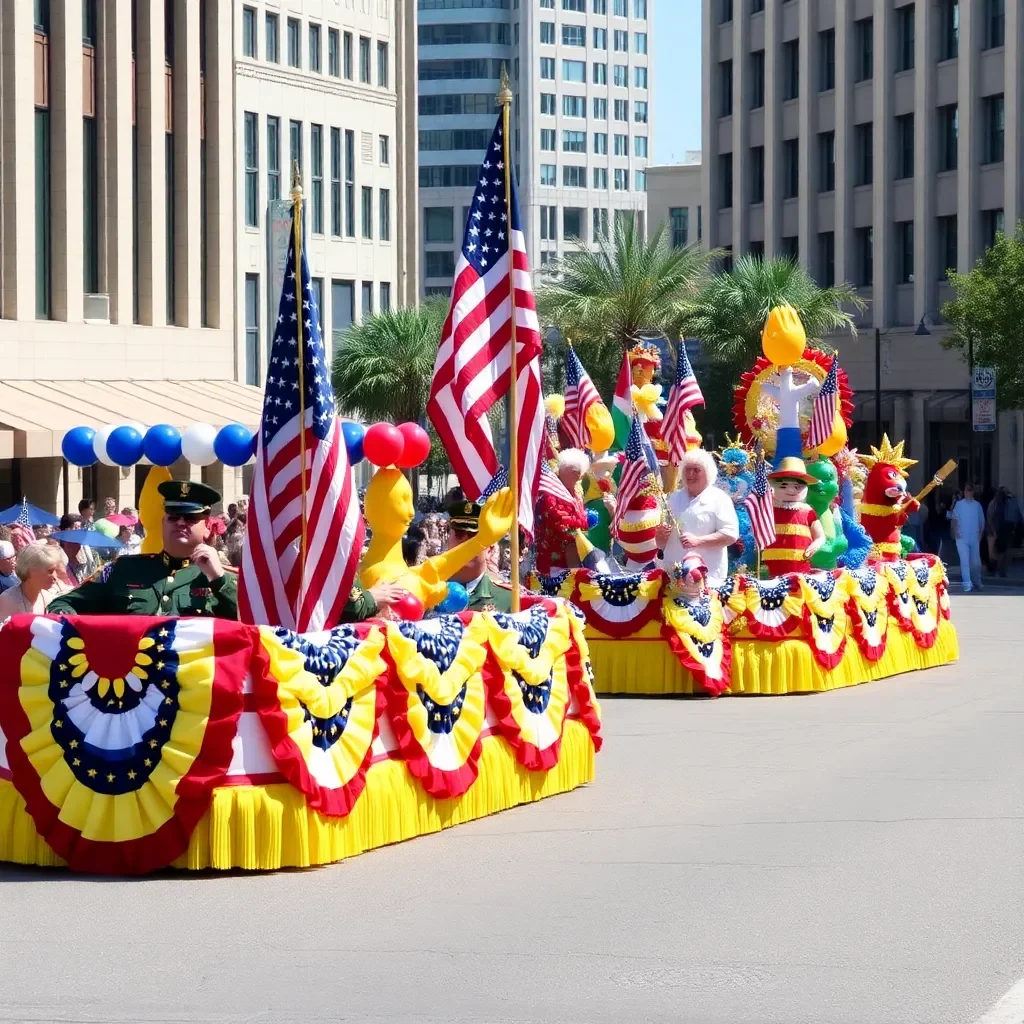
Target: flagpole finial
<point x="505" y="90"/>
<point x="296" y="181"/>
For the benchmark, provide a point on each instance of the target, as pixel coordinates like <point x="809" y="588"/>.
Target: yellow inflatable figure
<point x="388" y="510"/>
<point x="151" y="511"/>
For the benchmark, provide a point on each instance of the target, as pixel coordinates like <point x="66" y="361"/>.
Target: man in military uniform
<point x="485" y="593"/>
<point x="186" y="578"/>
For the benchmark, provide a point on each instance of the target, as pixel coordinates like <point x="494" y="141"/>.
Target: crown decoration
<point x="734" y="456"/>
<point x="641" y="353"/>
<point x="889" y="456"/>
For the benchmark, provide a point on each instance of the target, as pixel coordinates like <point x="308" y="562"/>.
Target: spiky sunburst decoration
<point x="889" y="456"/>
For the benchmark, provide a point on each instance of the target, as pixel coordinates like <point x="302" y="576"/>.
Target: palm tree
<point x="607" y="300"/>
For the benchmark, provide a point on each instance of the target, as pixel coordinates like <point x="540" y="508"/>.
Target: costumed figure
<point x="886" y="504"/>
<point x="851" y="485"/>
<point x="736" y="478"/>
<point x="821" y="496"/>
<point x="689" y="578"/>
<point x="798" y="534"/>
<point x="560" y="512"/>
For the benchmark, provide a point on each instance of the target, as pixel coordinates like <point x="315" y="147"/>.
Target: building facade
<point x="675" y="201"/>
<point x="582" y="117"/>
<point x="880" y="142"/>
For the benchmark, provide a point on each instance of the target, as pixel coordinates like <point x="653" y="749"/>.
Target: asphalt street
<point x="846" y="858"/>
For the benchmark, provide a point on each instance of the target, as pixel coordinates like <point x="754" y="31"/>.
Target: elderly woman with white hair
<point x="38" y="567"/>
<point x="560" y="512"/>
<point x="702" y="519"/>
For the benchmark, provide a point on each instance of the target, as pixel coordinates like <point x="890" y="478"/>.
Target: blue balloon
<point x="77" y="446"/>
<point x="592" y="518"/>
<point x="162" y="444"/>
<point x="353" y="440"/>
<point x="233" y="444"/>
<point x="124" y="446"/>
<point x="456" y="600"/>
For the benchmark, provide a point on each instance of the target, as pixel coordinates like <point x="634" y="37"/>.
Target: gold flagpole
<point x="299" y="298"/>
<point x="505" y="102"/>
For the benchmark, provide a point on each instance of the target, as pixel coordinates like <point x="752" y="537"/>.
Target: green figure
<point x="820" y="497"/>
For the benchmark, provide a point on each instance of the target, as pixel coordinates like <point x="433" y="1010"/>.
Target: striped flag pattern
<point x="685" y="394"/>
<point x="636" y="470"/>
<point x="824" y="413"/>
<point x="758" y="504"/>
<point x="473" y="366"/>
<point x="580" y="397"/>
<point x="275" y="588"/>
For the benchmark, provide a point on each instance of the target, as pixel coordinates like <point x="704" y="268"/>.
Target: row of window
<point x="576" y="142"/>
<point x="341" y="182"/>
<point x="576" y="71"/>
<point x="576" y="35"/>
<point x="620" y="8"/>
<point x="340" y="47"/>
<point x="575" y="176"/>
<point x="679" y="225"/>
<point x="576" y="106"/>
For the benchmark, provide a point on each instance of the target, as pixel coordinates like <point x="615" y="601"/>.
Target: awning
<point x="37" y="413"/>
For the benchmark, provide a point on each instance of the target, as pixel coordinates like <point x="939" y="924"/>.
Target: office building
<point x="674" y="200"/>
<point x="880" y="143"/>
<point x="582" y="118"/>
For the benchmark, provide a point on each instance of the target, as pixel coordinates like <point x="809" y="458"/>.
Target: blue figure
<point x="856" y="536"/>
<point x="736" y="478"/>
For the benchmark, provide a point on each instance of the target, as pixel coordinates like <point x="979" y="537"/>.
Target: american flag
<point x="498" y="483"/>
<point x="685" y="394"/>
<point x="824" y="413"/>
<point x="758" y="504"/>
<point x="636" y="470"/>
<point x="23" y="516"/>
<point x="276" y="589"/>
<point x="473" y="367"/>
<point x="548" y="482"/>
<point x="580" y="397"/>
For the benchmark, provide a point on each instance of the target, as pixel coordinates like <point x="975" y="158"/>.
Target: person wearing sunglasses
<point x="186" y="578"/>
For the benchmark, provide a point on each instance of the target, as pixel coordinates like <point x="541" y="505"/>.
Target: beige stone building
<point x="674" y="200"/>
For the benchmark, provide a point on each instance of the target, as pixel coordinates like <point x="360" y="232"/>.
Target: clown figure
<point x="798" y="533"/>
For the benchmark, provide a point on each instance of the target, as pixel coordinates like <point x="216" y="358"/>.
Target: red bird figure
<point x="885" y="504"/>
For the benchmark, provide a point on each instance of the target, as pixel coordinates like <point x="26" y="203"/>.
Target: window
<point x="574" y="142"/>
<point x="600" y="108"/>
<point x="640" y="42"/>
<point x="601" y="177"/>
<point x="600" y="74"/>
<point x="385" y="295"/>
<point x="273" y="158"/>
<point x="826" y="60"/>
<point x="346" y="54"/>
<point x="601" y="143"/>
<point x="864" y="244"/>
<point x="863" y="49"/>
<point x="791" y="246"/>
<point x="600" y="223"/>
<point x="547" y="103"/>
<point x="343" y="305"/>
<point x="757" y="79"/>
<point x="994" y="113"/>
<point x="993" y="223"/>
<point x="364" y="60"/>
<point x="575" y="5"/>
<point x="864" y="153"/>
<point x="547" y="68"/>
<point x="438" y="224"/>
<point x="547" y="33"/>
<point x="620" y="76"/>
<point x="548" y="224"/>
<point x="272" y="38"/>
<point x="548" y="5"/>
<point x="367" y="210"/>
<point x="679" y="226"/>
<point x="640" y="78"/>
<point x="600" y="39"/>
<point x="622" y="145"/>
<point x="826" y="259"/>
<point x="574" y="35"/>
<point x="248" y="31"/>
<point x="639" y="8"/>
<point x="350" y="183"/>
<point x="252" y="169"/>
<point x="905" y="146"/>
<point x="600" y="6"/>
<point x="620" y="41"/>
<point x="905" y="37"/>
<point x="548" y="175"/>
<point x="905" y="252"/>
<point x="725" y="88"/>
<point x="757" y="174"/>
<point x="791" y="69"/>
<point x="620" y="8"/>
<point x="724" y="11"/>
<point x="294" y="59"/>
<point x="336" y="182"/>
<point x="790" y="168"/>
<point x="574" y="106"/>
<point x="621" y="179"/>
<point x="333" y="53"/>
<point x="826" y="161"/>
<point x="622" y="110"/>
<point x="252" y="329"/>
<point x="367" y="299"/>
<point x="949" y="29"/>
<point x="949" y="137"/>
<point x="294" y="146"/>
<point x="574" y="177"/>
<point x="383" y="71"/>
<point x="995" y="23"/>
<point x="947" y="246"/>
<point x="316" y="167"/>
<point x="725" y="181"/>
<point x="315" y="49"/>
<point x="640" y="181"/>
<point x="756" y="6"/>
<point x="547" y="140"/>
<point x="640" y="146"/>
<point x="572" y="223"/>
<point x="700" y="223"/>
<point x="574" y="71"/>
<point x="384" y="214"/>
<point x="640" y="111"/>
<point x="384" y="150"/>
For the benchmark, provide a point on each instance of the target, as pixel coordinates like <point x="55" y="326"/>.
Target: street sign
<point x="983" y="399"/>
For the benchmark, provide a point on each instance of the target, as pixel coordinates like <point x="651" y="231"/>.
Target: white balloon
<point x="99" y="443"/>
<point x="197" y="444"/>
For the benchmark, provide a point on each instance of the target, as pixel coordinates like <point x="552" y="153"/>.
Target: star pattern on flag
<point x="486" y="239"/>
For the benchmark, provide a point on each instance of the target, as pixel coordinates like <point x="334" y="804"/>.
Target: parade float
<point x="863" y="606"/>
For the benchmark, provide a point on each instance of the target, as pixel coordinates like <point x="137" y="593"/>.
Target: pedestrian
<point x="87" y="510"/>
<point x="8" y="578"/>
<point x="968" y="524"/>
<point x="38" y="566"/>
<point x="1001" y="523"/>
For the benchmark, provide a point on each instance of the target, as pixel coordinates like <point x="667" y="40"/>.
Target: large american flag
<point x="473" y="367"/>
<point x="580" y="397"/>
<point x="758" y="504"/>
<point x="685" y="394"/>
<point x="275" y="587"/>
<point x="823" y="415"/>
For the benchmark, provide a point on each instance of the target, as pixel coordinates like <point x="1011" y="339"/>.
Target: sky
<point x="677" y="39"/>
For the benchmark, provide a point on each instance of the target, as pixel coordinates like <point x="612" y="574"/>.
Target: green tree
<point x="607" y="300"/>
<point x="989" y="308"/>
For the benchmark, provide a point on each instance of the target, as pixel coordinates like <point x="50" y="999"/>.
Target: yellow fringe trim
<point x="642" y="664"/>
<point x="267" y="827"/>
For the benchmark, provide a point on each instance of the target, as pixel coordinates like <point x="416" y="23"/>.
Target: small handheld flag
<point x="824" y="413"/>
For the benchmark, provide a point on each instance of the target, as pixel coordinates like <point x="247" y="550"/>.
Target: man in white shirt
<point x="703" y="519"/>
<point x="968" y="522"/>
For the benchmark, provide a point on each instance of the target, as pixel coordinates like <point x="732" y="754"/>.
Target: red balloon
<point x="383" y="444"/>
<point x="408" y="607"/>
<point x="417" y="445"/>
